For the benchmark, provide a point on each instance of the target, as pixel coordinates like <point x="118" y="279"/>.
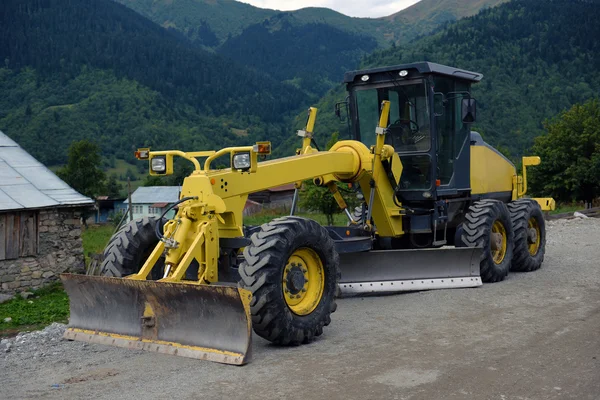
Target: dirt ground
<point x="533" y="336"/>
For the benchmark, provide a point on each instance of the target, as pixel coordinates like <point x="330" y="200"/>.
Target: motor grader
<point x="442" y="209"/>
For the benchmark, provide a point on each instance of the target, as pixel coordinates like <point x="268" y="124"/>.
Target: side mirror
<point x="469" y="110"/>
<point x="438" y="104"/>
<point x="341" y="111"/>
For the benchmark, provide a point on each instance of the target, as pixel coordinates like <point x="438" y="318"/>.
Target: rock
<point x="36" y="274"/>
<point x="5" y="297"/>
<point x="48" y="274"/>
<point x="7" y="348"/>
<point x="577" y="214"/>
<point x="14" y="285"/>
<point x="7" y="319"/>
<point x="26" y="295"/>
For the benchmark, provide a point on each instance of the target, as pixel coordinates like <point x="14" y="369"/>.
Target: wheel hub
<point x="532" y="236"/>
<point x="295" y="279"/>
<point x="496" y="241"/>
<point x="303" y="281"/>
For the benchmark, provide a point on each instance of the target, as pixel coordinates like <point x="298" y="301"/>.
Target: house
<point x="277" y="197"/>
<point x="40" y="229"/>
<point x="152" y="201"/>
<point x="107" y="208"/>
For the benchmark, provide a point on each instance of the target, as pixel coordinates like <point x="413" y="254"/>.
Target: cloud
<point x="353" y="8"/>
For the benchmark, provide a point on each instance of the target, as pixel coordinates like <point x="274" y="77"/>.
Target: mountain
<point x="75" y="69"/>
<point x="220" y="18"/>
<point x="537" y="58"/>
<point x="311" y="47"/>
<point x="313" y="56"/>
<point x="426" y="16"/>
<point x="229" y="18"/>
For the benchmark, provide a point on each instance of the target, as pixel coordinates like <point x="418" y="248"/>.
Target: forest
<point x="537" y="59"/>
<point x="76" y="69"/>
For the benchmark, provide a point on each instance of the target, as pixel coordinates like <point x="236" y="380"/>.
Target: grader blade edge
<point x="208" y="322"/>
<point x="391" y="271"/>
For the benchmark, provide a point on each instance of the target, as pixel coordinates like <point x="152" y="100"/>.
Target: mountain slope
<point x="313" y="56"/>
<point x="229" y="18"/>
<point x="222" y="17"/>
<point x="538" y="58"/>
<point x="427" y="15"/>
<point x="76" y="69"/>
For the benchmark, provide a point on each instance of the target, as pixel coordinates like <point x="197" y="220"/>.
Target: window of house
<point x="18" y="234"/>
<point x="137" y="209"/>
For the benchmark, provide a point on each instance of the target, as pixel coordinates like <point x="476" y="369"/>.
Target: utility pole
<point x="129" y="199"/>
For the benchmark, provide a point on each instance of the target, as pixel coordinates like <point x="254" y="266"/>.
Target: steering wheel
<point x="410" y="124"/>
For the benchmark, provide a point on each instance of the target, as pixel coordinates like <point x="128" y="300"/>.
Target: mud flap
<point x="390" y="271"/>
<point x="208" y="322"/>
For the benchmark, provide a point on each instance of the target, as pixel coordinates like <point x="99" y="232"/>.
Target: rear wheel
<point x="530" y="235"/>
<point x="488" y="225"/>
<point x="292" y="270"/>
<point x="129" y="248"/>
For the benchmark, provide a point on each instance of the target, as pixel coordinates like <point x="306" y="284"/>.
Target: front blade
<point x="208" y="322"/>
<point x="389" y="271"/>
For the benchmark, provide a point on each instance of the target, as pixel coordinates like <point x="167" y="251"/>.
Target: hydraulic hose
<point x="157" y="231"/>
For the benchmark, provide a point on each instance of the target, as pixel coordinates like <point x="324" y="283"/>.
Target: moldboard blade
<point x="390" y="271"/>
<point x="208" y="322"/>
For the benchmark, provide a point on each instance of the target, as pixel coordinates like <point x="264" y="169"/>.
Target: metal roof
<point x="155" y="194"/>
<point x="422" y="68"/>
<point x="27" y="183"/>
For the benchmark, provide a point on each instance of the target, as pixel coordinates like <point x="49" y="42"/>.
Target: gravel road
<point x="533" y="336"/>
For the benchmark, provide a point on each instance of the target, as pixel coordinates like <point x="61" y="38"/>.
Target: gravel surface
<point x="533" y="336"/>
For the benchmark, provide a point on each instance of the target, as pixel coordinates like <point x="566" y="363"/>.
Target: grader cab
<point x="442" y="209"/>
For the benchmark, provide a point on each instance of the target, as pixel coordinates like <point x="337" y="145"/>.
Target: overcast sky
<point x="353" y="8"/>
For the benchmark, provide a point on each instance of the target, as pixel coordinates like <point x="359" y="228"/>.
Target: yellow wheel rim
<point x="303" y="281"/>
<point x="534" y="246"/>
<point x="499" y="251"/>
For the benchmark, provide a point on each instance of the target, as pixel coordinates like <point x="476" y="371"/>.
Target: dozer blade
<point x="389" y="271"/>
<point x="208" y="322"/>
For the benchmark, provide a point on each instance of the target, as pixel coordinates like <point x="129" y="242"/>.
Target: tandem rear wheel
<point x="513" y="236"/>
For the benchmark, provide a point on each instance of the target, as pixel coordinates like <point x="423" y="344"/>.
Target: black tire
<point x="129" y="248"/>
<point x="477" y="232"/>
<point x="262" y="274"/>
<point x="521" y="211"/>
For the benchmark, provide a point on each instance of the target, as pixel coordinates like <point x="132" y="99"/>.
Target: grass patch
<point x="120" y="169"/>
<point x="567" y="208"/>
<point x="47" y="305"/>
<point x="96" y="237"/>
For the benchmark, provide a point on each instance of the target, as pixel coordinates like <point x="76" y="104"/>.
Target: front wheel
<point x="292" y="270"/>
<point x="129" y="248"/>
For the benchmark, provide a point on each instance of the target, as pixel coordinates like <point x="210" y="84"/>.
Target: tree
<point x="113" y="187"/>
<point x="82" y="171"/>
<point x="320" y="199"/>
<point x="570" y="153"/>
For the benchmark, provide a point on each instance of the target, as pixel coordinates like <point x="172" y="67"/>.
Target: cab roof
<point x="423" y="68"/>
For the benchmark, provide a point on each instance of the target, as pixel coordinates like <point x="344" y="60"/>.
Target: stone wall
<point x="59" y="250"/>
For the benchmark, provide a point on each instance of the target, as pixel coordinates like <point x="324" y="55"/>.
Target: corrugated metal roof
<point x="27" y="183"/>
<point x="155" y="194"/>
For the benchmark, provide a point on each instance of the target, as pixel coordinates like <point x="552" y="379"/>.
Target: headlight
<point x="159" y="164"/>
<point x="241" y="161"/>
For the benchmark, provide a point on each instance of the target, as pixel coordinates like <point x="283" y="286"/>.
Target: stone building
<point x="40" y="229"/>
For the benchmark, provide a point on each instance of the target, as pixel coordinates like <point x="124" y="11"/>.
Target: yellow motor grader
<point x="442" y="209"/>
